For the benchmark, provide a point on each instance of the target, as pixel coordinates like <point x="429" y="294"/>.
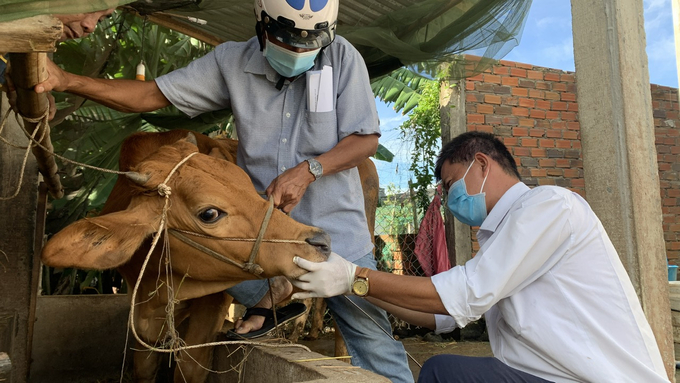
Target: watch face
<point x="360" y="288"/>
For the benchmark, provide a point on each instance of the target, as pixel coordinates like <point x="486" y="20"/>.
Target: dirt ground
<point x="416" y="347"/>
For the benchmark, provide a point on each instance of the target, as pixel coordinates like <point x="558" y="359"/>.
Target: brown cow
<point x="210" y="196"/>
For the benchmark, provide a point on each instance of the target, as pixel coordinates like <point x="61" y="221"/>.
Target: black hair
<point x="463" y="148"/>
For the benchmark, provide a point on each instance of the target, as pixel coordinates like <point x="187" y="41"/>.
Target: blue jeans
<point x="370" y="348"/>
<point x="469" y="369"/>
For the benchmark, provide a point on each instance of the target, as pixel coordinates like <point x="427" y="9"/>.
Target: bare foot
<point x="281" y="289"/>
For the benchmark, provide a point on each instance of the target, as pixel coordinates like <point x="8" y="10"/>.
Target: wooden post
<point x="29" y="69"/>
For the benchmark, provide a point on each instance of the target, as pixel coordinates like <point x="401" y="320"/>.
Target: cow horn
<point x="137" y="178"/>
<point x="191" y="138"/>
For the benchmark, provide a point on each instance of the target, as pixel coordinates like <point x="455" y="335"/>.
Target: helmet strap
<point x="259" y="30"/>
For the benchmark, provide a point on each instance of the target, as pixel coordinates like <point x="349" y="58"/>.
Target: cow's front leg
<point x="206" y="318"/>
<point x="149" y="322"/>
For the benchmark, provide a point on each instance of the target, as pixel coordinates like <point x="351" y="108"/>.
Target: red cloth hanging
<point x="431" y="248"/>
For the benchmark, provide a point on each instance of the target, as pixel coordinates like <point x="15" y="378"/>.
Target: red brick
<point x="567" y="78"/>
<point x="511" y="141"/>
<point x="578" y="182"/>
<point x="475" y="119"/>
<point x="483" y="128"/>
<point x="547" y="143"/>
<point x="576" y="144"/>
<point x="558" y="124"/>
<point x="551" y="77"/>
<point x="541" y="104"/>
<point x="563" y="163"/>
<point x="538" y="152"/>
<point x="553" y="133"/>
<point x="543" y="85"/>
<point x="520" y="132"/>
<point x="536" y="132"/>
<point x="469" y="85"/>
<point x="539" y="172"/>
<point x="508" y="63"/>
<point x="559" y="105"/>
<point x="524" y="66"/>
<point x="567" y="96"/>
<point x="563" y="144"/>
<point x="491" y="78"/>
<point x="559" y="87"/>
<point x="521" y="112"/>
<point x="492" y="99"/>
<point x="571" y="173"/>
<point x="527" y="83"/>
<point x="536" y="113"/>
<point x="516" y="72"/>
<point x="546" y="163"/>
<point x="552" y="96"/>
<point x="569" y="116"/>
<point x="511" y="120"/>
<point x="522" y="92"/>
<point x="551" y="114"/>
<point x="521" y="152"/>
<point x="555" y="172"/>
<point x="485" y="109"/>
<point x="509" y="81"/>
<point x="546" y="181"/>
<point x="534" y="93"/>
<point x="501" y="70"/>
<point x="530" y="142"/>
<point x="570" y="135"/>
<point x="528" y="122"/>
<point x="527" y="102"/>
<point x="572" y="107"/>
<point x="477" y="77"/>
<point x="535" y="75"/>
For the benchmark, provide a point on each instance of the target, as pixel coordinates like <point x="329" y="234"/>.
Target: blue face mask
<point x="288" y="63"/>
<point x="471" y="210"/>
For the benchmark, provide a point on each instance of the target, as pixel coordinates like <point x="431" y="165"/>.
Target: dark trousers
<point x="468" y="369"/>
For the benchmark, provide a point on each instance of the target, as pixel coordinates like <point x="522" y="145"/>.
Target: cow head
<point x="209" y="196"/>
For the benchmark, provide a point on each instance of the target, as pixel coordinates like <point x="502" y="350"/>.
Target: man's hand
<point x="288" y="188"/>
<point x="56" y="79"/>
<point x="12" y="93"/>
<point x="324" y="279"/>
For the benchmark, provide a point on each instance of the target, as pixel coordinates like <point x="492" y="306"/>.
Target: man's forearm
<point x="410" y="316"/>
<point x="130" y="96"/>
<point x="348" y="153"/>
<point x="409" y="292"/>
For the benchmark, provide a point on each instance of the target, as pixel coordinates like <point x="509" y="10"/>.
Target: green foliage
<point x="423" y="129"/>
<point x="403" y="87"/>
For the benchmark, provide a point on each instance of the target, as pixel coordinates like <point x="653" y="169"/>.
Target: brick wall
<point x="535" y="112"/>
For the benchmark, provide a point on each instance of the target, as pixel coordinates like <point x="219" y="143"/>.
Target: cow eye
<point x="210" y="215"/>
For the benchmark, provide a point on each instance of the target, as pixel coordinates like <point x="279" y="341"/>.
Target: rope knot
<point x="253" y="268"/>
<point x="164" y="190"/>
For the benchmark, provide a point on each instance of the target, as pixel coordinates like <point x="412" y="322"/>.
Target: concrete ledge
<point x="279" y="365"/>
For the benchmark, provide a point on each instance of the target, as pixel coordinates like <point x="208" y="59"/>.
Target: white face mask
<point x="286" y="62"/>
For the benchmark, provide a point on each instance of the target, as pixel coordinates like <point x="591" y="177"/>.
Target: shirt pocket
<point x="319" y="133"/>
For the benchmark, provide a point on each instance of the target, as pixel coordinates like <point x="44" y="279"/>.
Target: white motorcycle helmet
<point x="307" y="24"/>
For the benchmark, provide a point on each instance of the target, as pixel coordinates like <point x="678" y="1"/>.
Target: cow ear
<point x="191" y="138"/>
<point x="102" y="242"/>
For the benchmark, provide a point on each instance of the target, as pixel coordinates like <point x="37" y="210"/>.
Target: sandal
<point x="283" y="315"/>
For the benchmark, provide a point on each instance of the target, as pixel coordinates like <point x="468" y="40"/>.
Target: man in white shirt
<point x="558" y="303"/>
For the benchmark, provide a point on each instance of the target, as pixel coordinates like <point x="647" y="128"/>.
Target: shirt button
<point x="283" y="168"/>
<point x="284" y="140"/>
<point x="287" y="115"/>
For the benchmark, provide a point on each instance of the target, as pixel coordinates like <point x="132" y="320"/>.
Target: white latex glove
<point x="324" y="279"/>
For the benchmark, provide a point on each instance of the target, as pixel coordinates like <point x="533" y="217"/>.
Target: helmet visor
<point x="300" y="38"/>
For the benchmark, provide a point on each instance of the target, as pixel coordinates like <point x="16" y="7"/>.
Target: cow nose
<point x="322" y="242"/>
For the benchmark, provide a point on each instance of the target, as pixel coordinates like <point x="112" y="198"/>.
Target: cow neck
<point x="249" y="266"/>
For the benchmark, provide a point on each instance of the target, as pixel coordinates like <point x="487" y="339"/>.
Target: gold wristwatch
<point x="360" y="284"/>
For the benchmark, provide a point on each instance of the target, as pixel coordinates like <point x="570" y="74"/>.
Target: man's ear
<point x="483" y="160"/>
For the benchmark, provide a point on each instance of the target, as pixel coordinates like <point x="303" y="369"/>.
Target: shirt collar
<point x="257" y="64"/>
<point x="502" y="207"/>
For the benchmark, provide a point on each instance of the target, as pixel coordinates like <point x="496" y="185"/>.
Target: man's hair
<point x="463" y="148"/>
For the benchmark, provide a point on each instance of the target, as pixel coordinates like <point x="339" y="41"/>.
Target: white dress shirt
<point x="557" y="300"/>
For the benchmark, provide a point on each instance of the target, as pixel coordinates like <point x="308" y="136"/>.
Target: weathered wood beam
<point x="29" y="69"/>
<point x="174" y="24"/>
<point x="33" y="34"/>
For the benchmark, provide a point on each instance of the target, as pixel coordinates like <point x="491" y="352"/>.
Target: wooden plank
<point x="29" y="69"/>
<point x="33" y="34"/>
